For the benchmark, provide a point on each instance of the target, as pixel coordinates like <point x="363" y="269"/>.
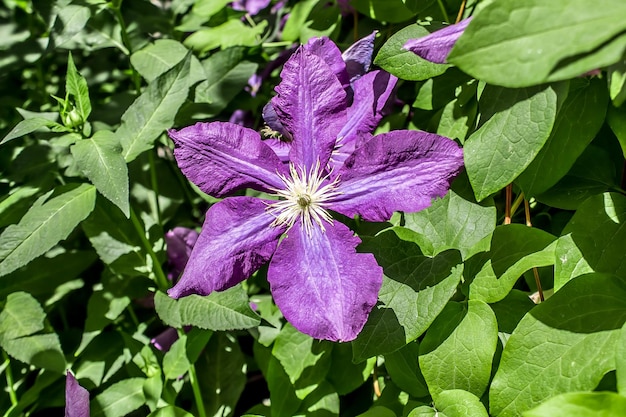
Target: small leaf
<point x="231" y="33"/>
<point x="404" y="64"/>
<point x="385" y="11"/>
<point x="100" y="159"/>
<point x="28" y="126"/>
<point x="175" y="362"/>
<point x="581" y="404"/>
<point x="76" y="85"/>
<point x="170" y="411"/>
<point x="43" y="226"/>
<point x="154" y="110"/>
<point x="459" y="403"/>
<point x="227" y="310"/>
<point x="162" y="55"/>
<point x="403" y="368"/>
<point x="119" y="399"/>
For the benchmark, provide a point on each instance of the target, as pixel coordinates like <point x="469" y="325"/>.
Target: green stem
<point x="126" y="41"/>
<point x="155" y="186"/>
<point x="276" y="44"/>
<point x="443" y="11"/>
<point x="195" y="386"/>
<point x="9" y="376"/>
<point x="517" y="203"/>
<point x="161" y="279"/>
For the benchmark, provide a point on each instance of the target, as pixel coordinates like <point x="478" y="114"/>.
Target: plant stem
<point x="195" y="386"/>
<point x="126" y="41"/>
<point x="161" y="279"/>
<point x="460" y="14"/>
<point x="443" y="11"/>
<point x="535" y="271"/>
<point x="155" y="187"/>
<point x="9" y="376"/>
<point x="517" y="203"/>
<point x="507" y="203"/>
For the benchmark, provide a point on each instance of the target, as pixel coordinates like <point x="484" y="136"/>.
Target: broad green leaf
<point x="44" y="381"/>
<point x="154" y="110"/>
<point x="16" y="203"/>
<point x="385" y="11"/>
<point x="453" y="403"/>
<point x="175" y="362"/>
<point x="76" y="86"/>
<point x="162" y="55"/>
<point x="517" y="44"/>
<point x="453" y="222"/>
<point x="593" y="173"/>
<point x="404" y="370"/>
<point x="71" y="19"/>
<point x="119" y="399"/>
<point x="617" y="83"/>
<point x="225" y="310"/>
<point x="549" y="351"/>
<point x="518" y="124"/>
<point x="577" y="123"/>
<point x="415" y="289"/>
<point x="100" y="159"/>
<point x="511" y="310"/>
<point x="311" y="18"/>
<point x="616" y="118"/>
<point x="170" y="411"/>
<point x="297" y="19"/>
<point x="29" y="126"/>
<point x="226" y="74"/>
<point x="620" y="362"/>
<point x="224" y="374"/>
<point x="21" y="324"/>
<point x="305" y="360"/>
<point x="458" y="349"/>
<point x="569" y="261"/>
<point x="102" y="359"/>
<point x="378" y="411"/>
<point x="45" y="225"/>
<point x="598" y="229"/>
<point x="404" y="64"/>
<point x="515" y="249"/>
<point x="581" y="404"/>
<point x="455" y="119"/>
<point x="345" y="375"/>
<point x="324" y="400"/>
<point x="231" y="33"/>
<point x="282" y="393"/>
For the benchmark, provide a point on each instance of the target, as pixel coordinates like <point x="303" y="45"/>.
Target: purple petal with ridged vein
<point x="358" y="57"/>
<point x="223" y="157"/>
<point x="76" y="398"/>
<point x="437" y="46"/>
<point x="371" y="93"/>
<point x="401" y="170"/>
<point x="180" y="242"/>
<point x="321" y="285"/>
<point x="236" y="239"/>
<point x="330" y="53"/>
<point x="280" y="148"/>
<point x="311" y="106"/>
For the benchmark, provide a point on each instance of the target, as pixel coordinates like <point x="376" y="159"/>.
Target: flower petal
<point x="371" y="94"/>
<point x="328" y="51"/>
<point x="436" y="46"/>
<point x="76" y="398"/>
<point x="164" y="340"/>
<point x="311" y="104"/>
<point x="180" y="242"/>
<point x="321" y="285"/>
<point x="271" y="120"/>
<point x="236" y="239"/>
<point x="358" y="57"/>
<point x="401" y="170"/>
<point x="281" y="148"/>
<point x="223" y="157"/>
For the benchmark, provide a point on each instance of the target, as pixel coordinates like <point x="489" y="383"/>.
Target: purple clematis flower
<point x="437" y="46"/>
<point x="180" y="242"/>
<point x="318" y="280"/>
<point x="253" y="7"/>
<point x="76" y="398"/>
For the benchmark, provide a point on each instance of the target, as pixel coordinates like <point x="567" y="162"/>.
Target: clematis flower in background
<point x="76" y="398"/>
<point x="437" y="46"/>
<point x="318" y="280"/>
<point x="179" y="241"/>
<point x="250" y="6"/>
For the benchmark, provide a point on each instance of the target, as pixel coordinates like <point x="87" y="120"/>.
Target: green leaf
<point x="323" y="401"/>
<point x="522" y="44"/>
<point x="452" y="222"/>
<point x="305" y="360"/>
<point x="549" y="351"/>
<point x="282" y="393"/>
<point x="384" y="11"/>
<point x="100" y="159"/>
<point x="226" y="74"/>
<point x="515" y="249"/>
<point x="76" y="86"/>
<point x="297" y="19"/>
<point x="347" y="376"/>
<point x="225" y="310"/>
<point x="581" y="404"/>
<point x="569" y="261"/>
<point x="415" y="289"/>
<point x="598" y="229"/>
<point x="311" y="18"/>
<point x="404" y="370"/>
<point x="43" y="226"/>
<point x="617" y="83"/>
<point x="378" y="411"/>
<point x="28" y="126"/>
<point x="224" y="374"/>
<point x="577" y="123"/>
<point x="404" y="64"/>
<point x="154" y="110"/>
<point x="162" y="55"/>
<point x="21" y="322"/>
<point x="458" y="348"/>
<point x="518" y="124"/>
<point x="616" y="118"/>
<point x="620" y="362"/>
<point x="175" y="362"/>
<point x="453" y="403"/>
<point x="231" y="33"/>
<point x="119" y="399"/>
<point x="70" y="21"/>
<point x="170" y="411"/>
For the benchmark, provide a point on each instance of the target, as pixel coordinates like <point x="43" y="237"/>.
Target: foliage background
<point x="88" y="188"/>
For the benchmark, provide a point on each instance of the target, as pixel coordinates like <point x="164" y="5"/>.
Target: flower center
<point x="304" y="197"/>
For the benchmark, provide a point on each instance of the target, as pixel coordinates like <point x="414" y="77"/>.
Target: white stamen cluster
<point x="304" y="197"/>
